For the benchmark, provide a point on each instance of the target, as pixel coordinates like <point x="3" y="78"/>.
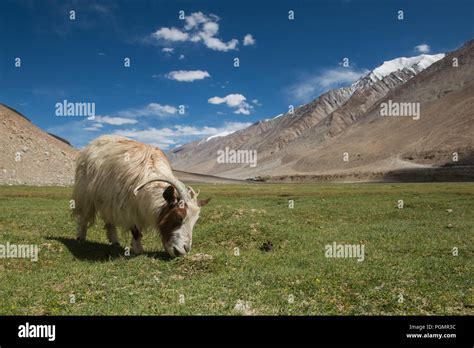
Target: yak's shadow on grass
<point x="99" y="252"/>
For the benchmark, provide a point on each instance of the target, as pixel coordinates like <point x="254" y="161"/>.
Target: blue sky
<point x="190" y="62"/>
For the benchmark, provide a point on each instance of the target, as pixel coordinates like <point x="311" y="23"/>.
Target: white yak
<point x="131" y="185"/>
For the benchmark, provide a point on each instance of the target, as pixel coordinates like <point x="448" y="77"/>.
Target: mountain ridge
<point x="283" y="140"/>
<point x="31" y="156"/>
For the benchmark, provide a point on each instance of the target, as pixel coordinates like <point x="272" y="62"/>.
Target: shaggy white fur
<point x="107" y="172"/>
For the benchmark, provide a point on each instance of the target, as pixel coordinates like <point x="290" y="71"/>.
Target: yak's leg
<point x="81" y="231"/>
<point x="136" y="241"/>
<point x="111" y="231"/>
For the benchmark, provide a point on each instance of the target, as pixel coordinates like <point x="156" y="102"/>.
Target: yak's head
<point x="178" y="216"/>
<point x="177" y="220"/>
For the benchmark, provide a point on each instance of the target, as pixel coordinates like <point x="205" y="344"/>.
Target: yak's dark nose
<point x="187" y="248"/>
<point x="177" y="253"/>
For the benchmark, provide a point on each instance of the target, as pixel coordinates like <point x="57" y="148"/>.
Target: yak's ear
<point x="170" y="195"/>
<point x="203" y="202"/>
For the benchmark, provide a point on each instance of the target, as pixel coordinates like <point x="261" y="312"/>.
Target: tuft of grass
<point x="409" y="267"/>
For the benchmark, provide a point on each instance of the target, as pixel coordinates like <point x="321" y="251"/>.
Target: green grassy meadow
<point x="409" y="266"/>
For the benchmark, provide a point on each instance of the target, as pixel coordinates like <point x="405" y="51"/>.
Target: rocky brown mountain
<point x="30" y="156"/>
<point x="343" y="132"/>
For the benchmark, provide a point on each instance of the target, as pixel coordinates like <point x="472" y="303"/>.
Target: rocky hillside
<point x="314" y="139"/>
<point x="30" y="156"/>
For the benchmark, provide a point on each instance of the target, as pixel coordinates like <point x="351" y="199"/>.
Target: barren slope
<point x="314" y="139"/>
<point x="31" y="156"/>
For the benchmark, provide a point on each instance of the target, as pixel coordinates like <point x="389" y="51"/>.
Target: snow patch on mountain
<point x="414" y="64"/>
<point x="218" y="135"/>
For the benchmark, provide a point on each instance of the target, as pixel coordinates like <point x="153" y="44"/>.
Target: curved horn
<point x="195" y="194"/>
<point x="178" y="185"/>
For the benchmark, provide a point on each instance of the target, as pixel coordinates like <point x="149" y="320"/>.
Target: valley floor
<point x="257" y="249"/>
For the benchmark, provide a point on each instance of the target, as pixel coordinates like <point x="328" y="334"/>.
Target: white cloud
<point x="311" y="86"/>
<point x="80" y="132"/>
<point x="209" y="30"/>
<point x="423" y="48"/>
<point x="128" y="116"/>
<point x="75" y="131"/>
<point x="152" y="109"/>
<point x="237" y="101"/>
<point x="256" y="102"/>
<point x="244" y="110"/>
<point x="167" y="50"/>
<point x="181" y="56"/>
<point x="158" y="137"/>
<point x="198" y="28"/>
<point x="170" y="34"/>
<point x="178" y="134"/>
<point x="343" y="76"/>
<point x="94" y="127"/>
<point x="194" y="19"/>
<point x="231" y="100"/>
<point x="249" y="40"/>
<point x="187" y="75"/>
<point x="115" y="121"/>
<point x="218" y="45"/>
